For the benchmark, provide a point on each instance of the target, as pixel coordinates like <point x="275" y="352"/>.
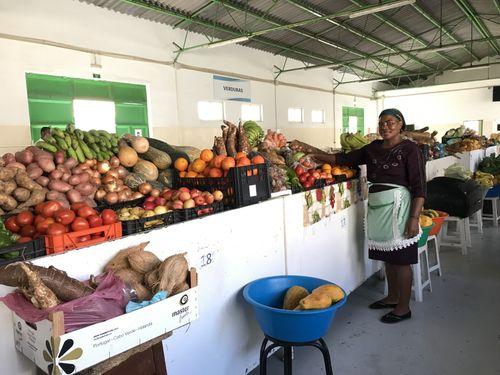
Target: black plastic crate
<point x="241" y="187"/>
<point x="147" y="223"/>
<point x="197" y="212"/>
<point x="25" y="251"/>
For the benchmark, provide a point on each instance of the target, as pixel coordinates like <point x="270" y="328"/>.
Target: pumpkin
<point x="140" y="144"/>
<point x="127" y="155"/>
<point x="133" y="180"/>
<point x="147" y="169"/>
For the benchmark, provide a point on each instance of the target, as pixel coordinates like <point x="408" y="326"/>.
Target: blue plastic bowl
<point x="266" y="297"/>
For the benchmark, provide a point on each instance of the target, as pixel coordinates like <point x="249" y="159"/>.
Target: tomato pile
<point x="51" y="219"/>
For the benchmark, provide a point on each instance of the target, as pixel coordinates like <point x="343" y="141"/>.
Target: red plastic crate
<point x="69" y="241"/>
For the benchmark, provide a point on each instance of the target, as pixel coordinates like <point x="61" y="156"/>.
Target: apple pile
<point x="309" y="177"/>
<point x="184" y="198"/>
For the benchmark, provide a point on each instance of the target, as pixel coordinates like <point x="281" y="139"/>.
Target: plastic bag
<point x="457" y="171"/>
<point x="108" y="301"/>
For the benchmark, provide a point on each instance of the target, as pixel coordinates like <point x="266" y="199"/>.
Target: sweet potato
<point x="7" y="187"/>
<point x="47" y="164"/>
<point x="85" y="189"/>
<point x="24" y="157"/>
<point x="16" y="165"/>
<point x="21" y="194"/>
<point x="7" y="202"/>
<point x="74" y="196"/>
<point x="23" y="180"/>
<point x="60" y="186"/>
<point x="42" y="181"/>
<point x="8" y="158"/>
<point x="70" y="163"/>
<point x="7" y="173"/>
<point x="34" y="171"/>
<point x="54" y="195"/>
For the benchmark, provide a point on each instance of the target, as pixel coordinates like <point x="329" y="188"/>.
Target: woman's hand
<point x="412" y="227"/>
<point x="323" y="158"/>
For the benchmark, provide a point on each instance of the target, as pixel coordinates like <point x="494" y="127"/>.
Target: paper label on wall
<point x="226" y="88"/>
<point x="252" y="190"/>
<point x="353" y="124"/>
<point x="138" y="132"/>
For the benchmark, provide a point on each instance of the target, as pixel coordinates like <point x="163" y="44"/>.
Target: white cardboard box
<point x="72" y="352"/>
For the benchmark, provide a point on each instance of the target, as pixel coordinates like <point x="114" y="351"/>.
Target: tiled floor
<point x="455" y="331"/>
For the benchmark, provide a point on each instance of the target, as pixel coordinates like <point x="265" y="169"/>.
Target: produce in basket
<point x="273" y="140"/>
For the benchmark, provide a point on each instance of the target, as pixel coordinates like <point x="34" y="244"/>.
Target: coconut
<point x="141" y="291"/>
<point x="179" y="288"/>
<point x="143" y="261"/>
<point x="172" y="271"/>
<point x="151" y="279"/>
<point x="128" y="276"/>
<point x="120" y="260"/>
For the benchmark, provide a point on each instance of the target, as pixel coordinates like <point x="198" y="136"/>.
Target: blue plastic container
<point x="493" y="192"/>
<point x="266" y="297"/>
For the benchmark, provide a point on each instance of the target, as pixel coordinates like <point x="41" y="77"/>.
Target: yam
<point x="8" y="187"/>
<point x="37" y="196"/>
<point x="21" y="194"/>
<point x="7" y="174"/>
<point x="172" y="271"/>
<point x="23" y="180"/>
<point x="293" y="296"/>
<point x="120" y="260"/>
<point x="38" y="293"/>
<point x="7" y="203"/>
<point x="143" y="261"/>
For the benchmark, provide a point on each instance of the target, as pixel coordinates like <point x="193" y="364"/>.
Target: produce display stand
<point x="471" y="159"/>
<point x="435" y="168"/>
<point x="50" y="348"/>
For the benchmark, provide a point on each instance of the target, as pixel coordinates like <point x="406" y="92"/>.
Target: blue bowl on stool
<point x="266" y="297"/>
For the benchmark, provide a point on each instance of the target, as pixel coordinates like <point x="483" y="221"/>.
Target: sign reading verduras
<point x="226" y="88"/>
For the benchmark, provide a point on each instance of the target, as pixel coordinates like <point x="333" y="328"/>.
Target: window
<point x="353" y="120"/>
<point x="318" y="116"/>
<point x="251" y="112"/>
<point x="94" y="114"/>
<point x="295" y="115"/>
<point x="210" y="111"/>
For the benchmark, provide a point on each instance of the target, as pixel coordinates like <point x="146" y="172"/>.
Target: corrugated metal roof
<point x="384" y="29"/>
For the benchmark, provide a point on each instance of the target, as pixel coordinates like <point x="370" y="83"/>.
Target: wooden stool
<point x="495" y="210"/>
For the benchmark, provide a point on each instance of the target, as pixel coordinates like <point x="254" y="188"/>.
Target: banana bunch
<point x="484" y="179"/>
<point x="254" y="133"/>
<point x="352" y="141"/>
<point x="430" y="213"/>
<point x="81" y="145"/>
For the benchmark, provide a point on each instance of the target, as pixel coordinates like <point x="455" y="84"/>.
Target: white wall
<point x="446" y="106"/>
<point x="59" y="36"/>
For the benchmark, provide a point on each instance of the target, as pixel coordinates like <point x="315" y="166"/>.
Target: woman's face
<point x="389" y="127"/>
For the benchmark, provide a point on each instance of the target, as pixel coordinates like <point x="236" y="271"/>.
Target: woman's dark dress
<point x="401" y="165"/>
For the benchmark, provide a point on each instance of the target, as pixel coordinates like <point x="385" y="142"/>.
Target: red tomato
<point x="76" y="206"/>
<point x="50" y="208"/>
<point x="24" y="218"/>
<point x="42" y="226"/>
<point x="11" y="224"/>
<point x="299" y="170"/>
<point x="27" y="231"/>
<point x="79" y="224"/>
<point x="94" y="221"/>
<point x="307" y="185"/>
<point x="85" y="238"/>
<point x="55" y="229"/>
<point x="39" y="208"/>
<point x="311" y="180"/>
<point x="86" y="211"/>
<point x="303" y="178"/>
<point x="109" y="216"/>
<point x="316" y="174"/>
<point x="38" y="219"/>
<point x="24" y="239"/>
<point x="65" y="216"/>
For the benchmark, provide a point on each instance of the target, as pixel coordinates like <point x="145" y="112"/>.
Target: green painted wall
<point x="50" y="101"/>
<point x="355" y="112"/>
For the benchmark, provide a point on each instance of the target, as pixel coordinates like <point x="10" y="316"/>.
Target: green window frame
<point x="50" y="102"/>
<point x="353" y="112"/>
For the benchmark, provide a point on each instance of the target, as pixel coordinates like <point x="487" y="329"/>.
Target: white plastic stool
<point x="494" y="216"/>
<point x="437" y="266"/>
<point x="418" y="284"/>
<point x="476" y="220"/>
<point x="463" y="233"/>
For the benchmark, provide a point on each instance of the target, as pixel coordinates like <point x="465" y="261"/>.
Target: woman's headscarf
<point x="395" y="113"/>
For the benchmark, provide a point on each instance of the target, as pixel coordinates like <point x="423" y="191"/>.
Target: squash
<point x="192" y="152"/>
<point x="171" y="151"/>
<point x="159" y="158"/>
<point x="147" y="169"/>
<point x="133" y="180"/>
<point x="293" y="296"/>
<point x="127" y="155"/>
<point x="139" y="144"/>
<point x="166" y="177"/>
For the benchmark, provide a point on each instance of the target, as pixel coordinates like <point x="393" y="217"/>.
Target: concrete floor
<point x="455" y="331"/>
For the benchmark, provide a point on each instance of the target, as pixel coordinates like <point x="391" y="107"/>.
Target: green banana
<point x="57" y="132"/>
<point x="71" y="153"/>
<point x="46" y="146"/>
<point x="61" y="143"/>
<point x="86" y="150"/>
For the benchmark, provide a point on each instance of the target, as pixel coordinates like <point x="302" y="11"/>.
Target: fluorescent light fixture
<point x="227" y="42"/>
<point x="472" y="67"/>
<point x="441" y="49"/>
<point x="381" y="8"/>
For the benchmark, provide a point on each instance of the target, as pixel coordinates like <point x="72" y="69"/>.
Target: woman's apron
<point x="386" y="218"/>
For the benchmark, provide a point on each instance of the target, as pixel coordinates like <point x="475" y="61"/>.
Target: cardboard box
<point x="56" y="352"/>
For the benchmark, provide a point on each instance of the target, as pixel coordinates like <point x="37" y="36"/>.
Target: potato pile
<point x="146" y="274"/>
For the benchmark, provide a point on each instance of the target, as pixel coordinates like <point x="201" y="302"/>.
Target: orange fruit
<point x="181" y="164"/>
<point x="240" y="155"/>
<point x="215" y="172"/>
<point x="206" y="171"/>
<point x="217" y="161"/>
<point x="243" y="161"/>
<point x="258" y="160"/>
<point x="336" y="171"/>
<point x="326" y="168"/>
<point x="228" y="163"/>
<point x="198" y="165"/>
<point x="182" y="174"/>
<point x="207" y="155"/>
<point x="191" y="174"/>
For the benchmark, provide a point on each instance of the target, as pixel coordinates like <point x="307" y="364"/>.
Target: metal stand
<point x="287" y="353"/>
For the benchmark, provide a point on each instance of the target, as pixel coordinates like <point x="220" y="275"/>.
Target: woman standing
<point x="396" y="175"/>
